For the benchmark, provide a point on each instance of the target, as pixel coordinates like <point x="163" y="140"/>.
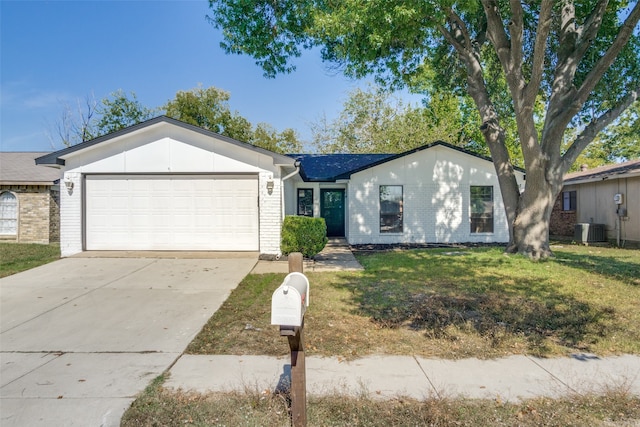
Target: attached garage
<point x="165" y="185"/>
<point x="172" y="212"/>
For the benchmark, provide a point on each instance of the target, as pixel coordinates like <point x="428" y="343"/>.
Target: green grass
<point x="449" y="304"/>
<point x="159" y="407"/>
<point x="17" y="257"/>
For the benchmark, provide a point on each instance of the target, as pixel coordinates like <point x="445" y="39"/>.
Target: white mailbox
<point x="290" y="300"/>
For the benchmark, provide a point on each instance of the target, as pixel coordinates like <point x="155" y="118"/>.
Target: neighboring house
<point x="167" y="185"/>
<point x="29" y="199"/>
<point x="607" y="195"/>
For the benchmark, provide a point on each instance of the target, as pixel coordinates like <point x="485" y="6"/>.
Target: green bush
<point x="303" y="234"/>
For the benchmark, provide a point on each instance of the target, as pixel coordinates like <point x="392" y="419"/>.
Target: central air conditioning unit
<point x="588" y="233"/>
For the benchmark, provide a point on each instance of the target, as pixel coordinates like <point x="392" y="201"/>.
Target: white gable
<point x="164" y="148"/>
<point x="436" y="197"/>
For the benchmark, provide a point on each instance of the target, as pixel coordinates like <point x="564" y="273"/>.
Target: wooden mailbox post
<point x="288" y="305"/>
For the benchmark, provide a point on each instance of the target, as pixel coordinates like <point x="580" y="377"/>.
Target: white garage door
<point x="131" y="212"/>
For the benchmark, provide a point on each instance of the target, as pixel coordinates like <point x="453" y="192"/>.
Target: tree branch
<point x="475" y="80"/>
<point x="497" y="33"/>
<point x="567" y="32"/>
<point x="452" y="40"/>
<point x="566" y="101"/>
<point x="540" y="46"/>
<point x="596" y="125"/>
<point x="590" y="28"/>
<point x="603" y="64"/>
<point x="460" y="25"/>
<point x="516" y="31"/>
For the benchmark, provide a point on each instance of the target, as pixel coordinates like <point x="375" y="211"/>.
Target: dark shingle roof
<point x="604" y="172"/>
<point x="20" y="168"/>
<point x="329" y="167"/>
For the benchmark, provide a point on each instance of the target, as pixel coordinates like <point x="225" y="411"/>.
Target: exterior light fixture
<point x="270" y="185"/>
<point x="69" y="184"/>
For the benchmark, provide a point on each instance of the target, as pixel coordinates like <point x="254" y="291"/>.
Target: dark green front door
<point x="332" y="210"/>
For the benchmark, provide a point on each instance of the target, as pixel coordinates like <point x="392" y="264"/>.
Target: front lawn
<point x="448" y="304"/>
<point x="158" y="407"/>
<point x="17" y="257"/>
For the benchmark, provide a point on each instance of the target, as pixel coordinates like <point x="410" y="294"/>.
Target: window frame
<point x="16" y="211"/>
<point x="572" y="198"/>
<point x="399" y="213"/>
<point x="482" y="223"/>
<point x="299" y="199"/>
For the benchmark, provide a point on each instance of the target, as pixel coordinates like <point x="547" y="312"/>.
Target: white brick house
<point x="167" y="185"/>
<point x="437" y="193"/>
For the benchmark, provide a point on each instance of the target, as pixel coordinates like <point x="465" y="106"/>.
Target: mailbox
<point x="290" y="301"/>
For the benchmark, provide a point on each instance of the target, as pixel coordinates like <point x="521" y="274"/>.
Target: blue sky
<point x="56" y="52"/>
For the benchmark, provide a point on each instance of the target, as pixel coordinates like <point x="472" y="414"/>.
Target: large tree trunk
<point x="531" y="225"/>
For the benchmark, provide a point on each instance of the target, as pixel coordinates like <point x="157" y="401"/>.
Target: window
<point x="8" y="214"/>
<point x="391" y="209"/>
<point x="305" y="202"/>
<point x="481" y="209"/>
<point x="569" y="200"/>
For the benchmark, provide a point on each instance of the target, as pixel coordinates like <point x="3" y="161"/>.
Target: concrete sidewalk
<point x="336" y="256"/>
<point x="509" y="379"/>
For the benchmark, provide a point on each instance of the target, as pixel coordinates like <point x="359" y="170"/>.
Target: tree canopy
<point x="618" y="142"/>
<point x="376" y="121"/>
<point x="550" y="65"/>
<point x="204" y="107"/>
<point x="118" y="111"/>
<point x="209" y="108"/>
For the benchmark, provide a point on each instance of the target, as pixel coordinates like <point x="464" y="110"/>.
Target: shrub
<point x="303" y="234"/>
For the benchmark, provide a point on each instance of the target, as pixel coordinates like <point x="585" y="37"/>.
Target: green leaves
<point x="273" y="32"/>
<point x="118" y="112"/>
<point x="373" y="121"/>
<point x="303" y="234"/>
<point x="209" y="108"/>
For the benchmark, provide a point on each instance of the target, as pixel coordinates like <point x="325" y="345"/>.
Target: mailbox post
<point x="288" y="305"/>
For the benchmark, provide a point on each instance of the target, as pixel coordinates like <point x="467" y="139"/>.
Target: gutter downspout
<point x="297" y="165"/>
<point x="295" y="172"/>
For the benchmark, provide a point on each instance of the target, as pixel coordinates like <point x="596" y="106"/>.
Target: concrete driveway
<point x="80" y="337"/>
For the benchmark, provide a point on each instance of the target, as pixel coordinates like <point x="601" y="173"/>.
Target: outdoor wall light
<point x="270" y="185"/>
<point x="69" y="184"/>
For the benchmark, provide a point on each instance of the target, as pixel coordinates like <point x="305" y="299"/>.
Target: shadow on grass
<point x="620" y="269"/>
<point x="443" y="296"/>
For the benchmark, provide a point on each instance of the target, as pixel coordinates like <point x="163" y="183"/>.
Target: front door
<point x="332" y="210"/>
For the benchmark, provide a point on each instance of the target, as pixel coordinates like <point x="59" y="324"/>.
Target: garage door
<point x="131" y="212"/>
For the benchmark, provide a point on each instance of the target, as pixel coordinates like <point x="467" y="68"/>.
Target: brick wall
<point x="71" y="215"/>
<point x="562" y="222"/>
<point x="270" y="215"/>
<point x="34" y="213"/>
<point x="54" y="216"/>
